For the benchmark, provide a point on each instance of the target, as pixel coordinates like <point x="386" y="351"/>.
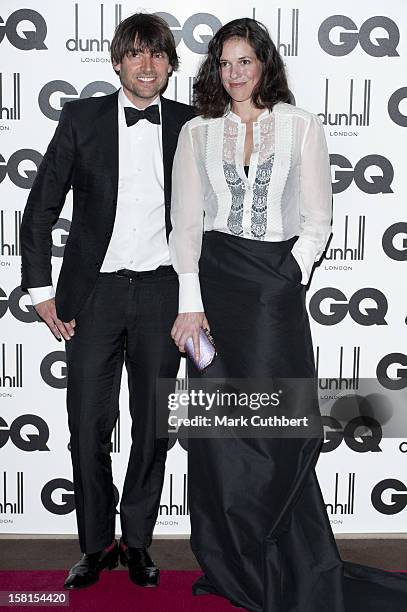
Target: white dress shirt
<point x="286" y="193"/>
<point x="138" y="239"/>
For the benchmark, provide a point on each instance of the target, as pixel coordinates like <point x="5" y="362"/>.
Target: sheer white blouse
<point x="287" y="191"/>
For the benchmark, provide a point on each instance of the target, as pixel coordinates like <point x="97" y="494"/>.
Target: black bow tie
<point x="151" y="113"/>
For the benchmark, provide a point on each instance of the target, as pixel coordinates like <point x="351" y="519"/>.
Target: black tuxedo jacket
<point x="83" y="153"/>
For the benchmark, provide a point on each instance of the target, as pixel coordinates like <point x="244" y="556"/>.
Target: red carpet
<point x="115" y="593"/>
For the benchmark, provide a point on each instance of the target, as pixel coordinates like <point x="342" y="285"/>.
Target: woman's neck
<point x="246" y="111"/>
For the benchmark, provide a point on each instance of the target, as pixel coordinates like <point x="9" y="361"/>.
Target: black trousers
<point x="123" y="321"/>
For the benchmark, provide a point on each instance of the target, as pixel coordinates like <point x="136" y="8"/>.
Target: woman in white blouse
<point x="251" y="214"/>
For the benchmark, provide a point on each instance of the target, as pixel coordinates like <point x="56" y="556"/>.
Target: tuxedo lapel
<point x="170" y="131"/>
<point x="108" y="139"/>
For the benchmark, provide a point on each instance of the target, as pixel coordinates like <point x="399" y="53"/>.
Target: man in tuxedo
<point x="117" y="294"/>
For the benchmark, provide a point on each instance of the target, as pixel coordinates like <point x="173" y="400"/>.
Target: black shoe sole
<point x="83" y="586"/>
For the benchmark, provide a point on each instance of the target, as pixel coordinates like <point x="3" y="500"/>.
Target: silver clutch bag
<point x="207" y="350"/>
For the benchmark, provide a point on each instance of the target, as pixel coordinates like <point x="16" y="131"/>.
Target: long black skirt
<point x="259" y="526"/>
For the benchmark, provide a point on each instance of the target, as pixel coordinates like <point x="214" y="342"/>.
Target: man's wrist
<point x="41" y="294"/>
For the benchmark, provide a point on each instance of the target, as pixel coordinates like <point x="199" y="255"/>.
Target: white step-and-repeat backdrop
<point x="346" y="62"/>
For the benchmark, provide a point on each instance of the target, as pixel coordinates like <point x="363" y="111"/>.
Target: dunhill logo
<point x="17" y="507"/>
<point x="12" y="113"/>
<point x="289" y="49"/>
<point x="191" y="81"/>
<point x="343" y="508"/>
<point x="171" y="507"/>
<point x="341" y="382"/>
<point x="181" y="384"/>
<point x="11" y="248"/>
<point x="346" y="252"/>
<point x="12" y="380"/>
<point x="93" y="44"/>
<point x="351" y="117"/>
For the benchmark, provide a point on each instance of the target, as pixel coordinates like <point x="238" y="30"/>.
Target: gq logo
<point x="350" y="37"/>
<point x="359" y="444"/>
<point x="187" y="32"/>
<point x="54" y="377"/>
<point x="392" y="383"/>
<point x="393" y="503"/>
<point x="70" y="93"/>
<point x="61" y="228"/>
<point x="397" y="229"/>
<point x="379" y="183"/>
<point x="393" y="107"/>
<point x="338" y="306"/>
<point x="64" y="503"/>
<point x="26" y="40"/>
<point x="23" y="178"/>
<point x="30" y="441"/>
<point x="26" y="314"/>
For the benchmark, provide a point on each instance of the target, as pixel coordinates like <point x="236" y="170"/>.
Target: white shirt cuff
<point x="306" y="268"/>
<point x="40" y="294"/>
<point x="190" y="299"/>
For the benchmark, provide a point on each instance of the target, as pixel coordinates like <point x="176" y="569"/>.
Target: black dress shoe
<point x="86" y="571"/>
<point x="142" y="569"/>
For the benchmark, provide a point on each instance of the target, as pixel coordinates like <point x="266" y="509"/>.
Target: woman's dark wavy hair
<point x="210" y="97"/>
<point x="151" y="32"/>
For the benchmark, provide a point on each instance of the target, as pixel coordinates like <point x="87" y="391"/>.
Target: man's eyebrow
<point x="145" y="49"/>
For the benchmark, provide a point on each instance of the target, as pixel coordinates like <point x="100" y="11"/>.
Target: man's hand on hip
<point x="48" y="313"/>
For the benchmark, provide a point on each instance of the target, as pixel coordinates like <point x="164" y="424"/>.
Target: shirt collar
<point x="231" y="115"/>
<point x="124" y="101"/>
